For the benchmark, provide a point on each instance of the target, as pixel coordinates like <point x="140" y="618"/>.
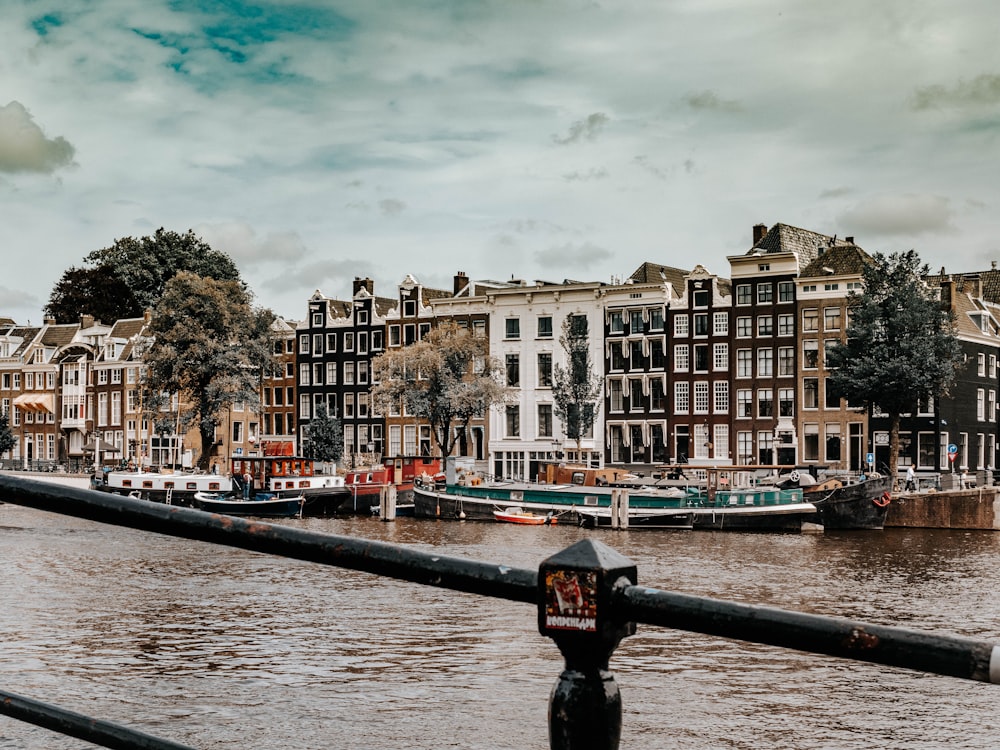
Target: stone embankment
<point x="977" y="508"/>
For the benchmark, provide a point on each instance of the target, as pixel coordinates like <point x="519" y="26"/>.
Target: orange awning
<point x="36" y="402"/>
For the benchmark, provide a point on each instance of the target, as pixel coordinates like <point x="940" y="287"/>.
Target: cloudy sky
<point x="318" y="140"/>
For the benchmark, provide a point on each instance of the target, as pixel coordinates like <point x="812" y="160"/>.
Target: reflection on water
<point x="222" y="648"/>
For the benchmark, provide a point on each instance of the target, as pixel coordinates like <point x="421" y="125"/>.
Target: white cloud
<point x="24" y="147"/>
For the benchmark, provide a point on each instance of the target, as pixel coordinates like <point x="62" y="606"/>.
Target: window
<point x="701" y="358"/>
<point x="744" y="363"/>
<point x="317" y="344"/>
<point x="377" y="341"/>
<point x="786" y="361"/>
<point x="681" y="325"/>
<point x="512" y="328"/>
<point x="743" y="294"/>
<point x="317" y="318"/>
<point x="617" y="403"/>
<point x="635" y="322"/>
<point x="831" y="318"/>
<point x="363" y="372"/>
<point x="744" y="327"/>
<point x="682" y="398"/>
<point x="810" y="354"/>
<point x="578" y="325"/>
<point x="513" y="368"/>
<point x="765" y="293"/>
<point x="765" y="403"/>
<point x="981" y="364"/>
<point x="720" y="324"/>
<point x="657" y="397"/>
<point x="616" y="323"/>
<point x="786" y="291"/>
<point x="744" y="402"/>
<point x="810" y="393"/>
<point x="700" y="298"/>
<point x="617" y="355"/>
<point x="744" y="447"/>
<point x="810" y="320"/>
<point x="981" y="403"/>
<point x="394" y="339"/>
<point x="765" y="363"/>
<point x="363" y="342"/>
<point x="331" y="342"/>
<point x="545" y="327"/>
<point x="786" y="325"/>
<point x="828" y="346"/>
<point x="545" y="420"/>
<point x="833" y="442"/>
<point x="237" y="432"/>
<point x="362" y="317"/>
<point x="810" y="442"/>
<point x="786" y="402"/>
<point x="304" y="374"/>
<point x="348" y="341"/>
<point x="765" y="325"/>
<point x="720" y="357"/>
<point x="636" y="396"/>
<point x="544" y="370"/>
<point x="991" y="406"/>
<point x="657" y="357"/>
<point x="701" y="324"/>
<point x="317" y="373"/>
<point x="721" y="400"/>
<point x="635" y="355"/>
<point x="656" y="319"/>
<point x="409" y="308"/>
<point x="701" y="397"/>
<point x="423" y="329"/>
<point x="681" y="358"/>
<point x="304" y="344"/>
<point x="993" y="366"/>
<point x="348" y="373"/>
<point x="513" y="414"/>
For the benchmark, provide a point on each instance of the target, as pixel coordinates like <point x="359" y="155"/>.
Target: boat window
<point x="517" y="495"/>
<point x="213" y="485"/>
<point x="304" y="483"/>
<point x="578" y="477"/>
<point x="590" y="499"/>
<point x="147" y="485"/>
<point x="126" y="483"/>
<point x="168" y="485"/>
<point x="191" y="485"/>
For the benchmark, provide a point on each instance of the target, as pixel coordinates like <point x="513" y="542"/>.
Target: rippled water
<point x="221" y="648"/>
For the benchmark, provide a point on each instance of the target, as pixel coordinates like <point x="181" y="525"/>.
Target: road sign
<point x="870" y="458"/>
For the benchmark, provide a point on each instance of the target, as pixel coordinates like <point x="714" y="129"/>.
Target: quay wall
<point x="957" y="509"/>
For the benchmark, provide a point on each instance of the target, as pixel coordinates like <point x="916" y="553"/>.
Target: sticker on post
<point x="571" y="600"/>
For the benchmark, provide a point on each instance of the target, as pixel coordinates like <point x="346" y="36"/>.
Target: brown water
<point x="221" y="648"/>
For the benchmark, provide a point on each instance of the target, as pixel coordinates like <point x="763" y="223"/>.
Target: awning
<point x="37" y="402"/>
<point x="98" y="445"/>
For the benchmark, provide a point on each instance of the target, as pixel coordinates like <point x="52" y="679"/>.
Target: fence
<point x="587" y="595"/>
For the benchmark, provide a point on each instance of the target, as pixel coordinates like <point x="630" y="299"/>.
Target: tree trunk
<point x="207" y="444"/>
<point x="894" y="420"/>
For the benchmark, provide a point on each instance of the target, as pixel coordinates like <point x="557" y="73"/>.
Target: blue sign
<point x="870" y="458"/>
<point x="952" y="449"/>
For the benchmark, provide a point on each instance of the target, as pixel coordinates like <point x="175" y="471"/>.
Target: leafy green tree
<point x="326" y="436"/>
<point x="126" y="279"/>
<point x="445" y="379"/>
<point x="901" y="346"/>
<point x="7" y="439"/>
<point x="209" y="346"/>
<point x="576" y="388"/>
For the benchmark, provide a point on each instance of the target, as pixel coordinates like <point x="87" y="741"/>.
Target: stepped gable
<point x="654" y="273"/>
<point x="807" y="245"/>
<point x="840" y="260"/>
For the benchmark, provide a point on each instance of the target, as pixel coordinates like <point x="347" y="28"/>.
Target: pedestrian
<point x="247" y="481"/>
<point x="911" y="478"/>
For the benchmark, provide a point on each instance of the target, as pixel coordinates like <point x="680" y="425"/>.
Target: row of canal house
<point x="694" y="366"/>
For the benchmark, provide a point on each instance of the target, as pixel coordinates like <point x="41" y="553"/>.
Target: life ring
<point x="794" y="476"/>
<point x="882" y="500"/>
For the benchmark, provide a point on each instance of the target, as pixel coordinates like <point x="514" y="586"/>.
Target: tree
<point x="7" y="439"/>
<point x="326" y="436"/>
<point x="576" y="388"/>
<point x="209" y="347"/>
<point x="446" y="379"/>
<point x="126" y="279"/>
<point x="901" y="347"/>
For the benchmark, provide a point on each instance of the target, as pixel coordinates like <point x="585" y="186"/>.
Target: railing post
<point x="575" y="609"/>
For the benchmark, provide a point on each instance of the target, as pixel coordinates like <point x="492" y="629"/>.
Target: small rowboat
<point x="516" y="514"/>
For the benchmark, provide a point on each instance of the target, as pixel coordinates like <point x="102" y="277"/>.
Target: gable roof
<point x="654" y="273"/>
<point x="840" y="260"/>
<point x="807" y="245"/>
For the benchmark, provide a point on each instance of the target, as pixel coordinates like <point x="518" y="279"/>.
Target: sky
<point x="315" y="141"/>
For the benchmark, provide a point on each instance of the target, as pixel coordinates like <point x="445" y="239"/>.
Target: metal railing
<point x="587" y="597"/>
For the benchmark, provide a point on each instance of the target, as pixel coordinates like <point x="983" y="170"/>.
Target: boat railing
<point x="587" y="599"/>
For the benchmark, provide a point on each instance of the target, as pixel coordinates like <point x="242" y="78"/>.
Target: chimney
<point x="86" y="321"/>
<point x="849" y="240"/>
<point x="461" y="282"/>
<point x="48" y="321"/>
<point x="973" y="285"/>
<point x="147" y="316"/>
<point x="365" y="283"/>
<point x="759" y="230"/>
<point x="947" y="292"/>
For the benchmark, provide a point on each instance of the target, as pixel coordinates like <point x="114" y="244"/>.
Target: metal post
<point x="575" y="593"/>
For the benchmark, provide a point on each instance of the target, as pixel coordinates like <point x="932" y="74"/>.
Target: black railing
<point x="587" y="596"/>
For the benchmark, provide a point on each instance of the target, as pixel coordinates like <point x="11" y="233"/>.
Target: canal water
<point x="221" y="648"/>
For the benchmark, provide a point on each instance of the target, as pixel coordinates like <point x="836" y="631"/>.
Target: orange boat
<point x="517" y="514"/>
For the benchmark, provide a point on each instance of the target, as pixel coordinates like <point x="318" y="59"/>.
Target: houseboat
<point x="365" y="485"/>
<point x="165" y="486"/>
<point x="283" y="474"/>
